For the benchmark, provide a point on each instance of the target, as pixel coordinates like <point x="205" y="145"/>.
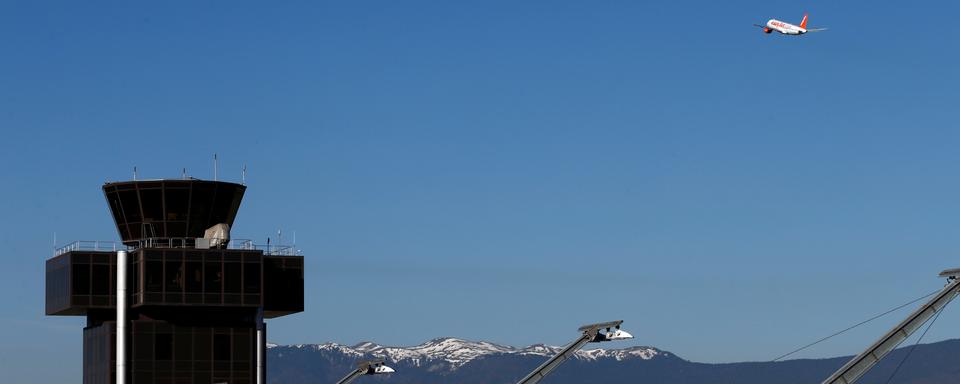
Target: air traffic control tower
<point x="195" y="298"/>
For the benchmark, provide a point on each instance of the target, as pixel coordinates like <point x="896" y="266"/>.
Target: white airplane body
<point x="786" y="28"/>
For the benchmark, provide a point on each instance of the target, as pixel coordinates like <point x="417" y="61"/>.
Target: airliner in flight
<point x="787" y="28"/>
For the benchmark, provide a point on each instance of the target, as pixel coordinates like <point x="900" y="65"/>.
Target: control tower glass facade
<point x="195" y="302"/>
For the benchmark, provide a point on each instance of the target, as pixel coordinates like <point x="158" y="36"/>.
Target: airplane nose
<point x="385" y="369"/>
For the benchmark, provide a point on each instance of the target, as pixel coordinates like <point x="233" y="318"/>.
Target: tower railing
<point x="91" y="245"/>
<point x="173" y="242"/>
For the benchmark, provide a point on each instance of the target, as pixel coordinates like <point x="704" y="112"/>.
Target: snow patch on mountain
<point x="457" y="352"/>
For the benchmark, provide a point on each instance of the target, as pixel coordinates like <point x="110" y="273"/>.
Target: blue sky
<point x="505" y="171"/>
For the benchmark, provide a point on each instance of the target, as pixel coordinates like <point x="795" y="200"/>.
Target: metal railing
<point x="173" y="242"/>
<point x="91" y="245"/>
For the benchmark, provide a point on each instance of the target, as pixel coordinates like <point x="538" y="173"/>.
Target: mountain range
<point x="452" y="360"/>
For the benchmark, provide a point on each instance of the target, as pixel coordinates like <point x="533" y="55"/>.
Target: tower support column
<point x="121" y="317"/>
<point x="261" y="348"/>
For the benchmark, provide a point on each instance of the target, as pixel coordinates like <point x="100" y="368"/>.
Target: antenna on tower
<point x="214" y="167"/>
<point x="243" y="175"/>
<point x="184" y="174"/>
<point x="134" y="173"/>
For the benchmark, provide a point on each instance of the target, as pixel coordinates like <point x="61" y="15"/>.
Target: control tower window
<point x="221" y="347"/>
<point x="194" y="276"/>
<point x="173" y="277"/>
<point x="154" y="279"/>
<point x="101" y="279"/>
<point x="163" y="346"/>
<point x="81" y="279"/>
<point x="232" y="280"/>
<point x="153" y="212"/>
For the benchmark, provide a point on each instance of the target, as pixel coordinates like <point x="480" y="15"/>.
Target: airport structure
<point x="591" y="333"/>
<point x="368" y="367"/>
<point x="854" y="369"/>
<point x="176" y="300"/>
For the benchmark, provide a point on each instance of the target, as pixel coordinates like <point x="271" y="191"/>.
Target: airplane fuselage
<point x="784" y="28"/>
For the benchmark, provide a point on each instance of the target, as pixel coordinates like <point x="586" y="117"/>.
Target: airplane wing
<point x="758" y="25"/>
<point x="816" y="29"/>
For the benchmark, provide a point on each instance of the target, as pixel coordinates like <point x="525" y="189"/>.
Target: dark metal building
<point x="196" y="299"/>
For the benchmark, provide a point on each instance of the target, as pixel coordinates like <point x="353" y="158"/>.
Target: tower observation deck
<point x="197" y="298"/>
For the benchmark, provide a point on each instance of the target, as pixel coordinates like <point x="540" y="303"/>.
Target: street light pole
<point x="589" y="334"/>
<point x="371" y="367"/>
<point x="859" y="365"/>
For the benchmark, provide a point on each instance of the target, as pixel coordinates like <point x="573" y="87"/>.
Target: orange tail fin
<point x="803" y="24"/>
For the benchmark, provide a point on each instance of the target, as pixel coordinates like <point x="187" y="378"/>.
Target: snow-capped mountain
<point x="451" y="360"/>
<point x="458" y="352"/>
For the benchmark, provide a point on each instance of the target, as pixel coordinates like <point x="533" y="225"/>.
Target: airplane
<point x="787" y="28"/>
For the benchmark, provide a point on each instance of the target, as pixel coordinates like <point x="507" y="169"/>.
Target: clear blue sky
<point x="505" y="171"/>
